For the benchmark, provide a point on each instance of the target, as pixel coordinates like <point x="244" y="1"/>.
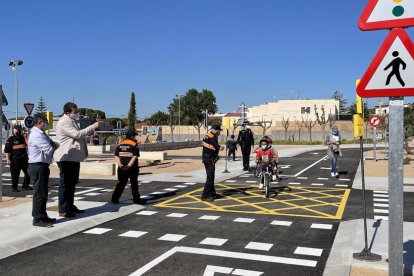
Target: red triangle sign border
<point x="29" y="108"/>
<point x="364" y="25"/>
<point x="387" y="92"/>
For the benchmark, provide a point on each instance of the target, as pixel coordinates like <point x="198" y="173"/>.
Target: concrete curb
<point x="18" y="234"/>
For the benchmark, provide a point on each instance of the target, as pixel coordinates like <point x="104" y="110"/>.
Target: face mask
<point x="75" y="116"/>
<point x="264" y="147"/>
<point x="46" y="127"/>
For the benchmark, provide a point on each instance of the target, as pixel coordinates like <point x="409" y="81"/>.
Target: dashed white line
<point x="172" y="237"/>
<point x="281" y="223"/>
<point x="323" y="178"/>
<point x="157" y="193"/>
<point x="133" y="234"/>
<point x="92" y="194"/>
<point x="189" y="183"/>
<point x="213" y="241"/>
<point x="97" y="231"/>
<point x="381" y="217"/>
<point x="302" y="177"/>
<point x="381" y="195"/>
<point x="381" y="211"/>
<point x="294" y="183"/>
<point x="341" y="185"/>
<point x="176" y="215"/>
<point x="259" y="246"/>
<point x="381" y="199"/>
<point x="245" y="220"/>
<point x="381" y="205"/>
<point x="209" y="217"/>
<point x="380" y="192"/>
<point x="317" y="184"/>
<point x="321" y="226"/>
<point x="180" y="186"/>
<point x="344" y="179"/>
<point x="145" y="181"/>
<point x="251" y="181"/>
<point x="170" y="190"/>
<point x="308" y="251"/>
<point x="146" y="213"/>
<point x="230" y="181"/>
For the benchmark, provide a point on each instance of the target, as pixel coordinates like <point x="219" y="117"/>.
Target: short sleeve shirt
<point x="126" y="150"/>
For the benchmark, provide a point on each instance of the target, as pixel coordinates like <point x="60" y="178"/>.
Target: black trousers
<point x="69" y="174"/>
<point x="232" y="152"/>
<point x="19" y="163"/>
<point x="209" y="190"/>
<point x="123" y="176"/>
<point x="246" y="150"/>
<point x="39" y="174"/>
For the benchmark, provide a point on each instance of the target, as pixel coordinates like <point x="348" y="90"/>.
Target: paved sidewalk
<point x="18" y="234"/>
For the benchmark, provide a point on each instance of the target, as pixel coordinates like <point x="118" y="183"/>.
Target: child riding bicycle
<point x="265" y="156"/>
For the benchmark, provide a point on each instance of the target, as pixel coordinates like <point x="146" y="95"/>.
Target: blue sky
<point x="98" y="51"/>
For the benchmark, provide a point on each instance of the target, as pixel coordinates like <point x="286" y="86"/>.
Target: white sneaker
<point x="260" y="186"/>
<point x="337" y="174"/>
<point x="274" y="177"/>
<point x="332" y="174"/>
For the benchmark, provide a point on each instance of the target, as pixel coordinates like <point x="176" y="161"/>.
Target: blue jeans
<point x="69" y="173"/>
<point x="334" y="160"/>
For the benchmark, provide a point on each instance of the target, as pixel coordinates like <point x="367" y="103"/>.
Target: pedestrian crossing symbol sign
<point x="391" y="70"/>
<point x="387" y="14"/>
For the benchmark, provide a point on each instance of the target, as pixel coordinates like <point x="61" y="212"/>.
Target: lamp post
<point x="14" y="64"/>
<point x="179" y="117"/>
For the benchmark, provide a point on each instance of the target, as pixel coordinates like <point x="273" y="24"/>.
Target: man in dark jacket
<point x="246" y="142"/>
<point x="16" y="156"/>
<point x="232" y="147"/>
<point x="210" y="155"/>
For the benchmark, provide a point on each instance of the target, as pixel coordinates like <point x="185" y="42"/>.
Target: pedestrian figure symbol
<point x="395" y="63"/>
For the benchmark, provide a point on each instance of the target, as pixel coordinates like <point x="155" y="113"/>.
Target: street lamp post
<point x="179" y="118"/>
<point x="14" y="64"/>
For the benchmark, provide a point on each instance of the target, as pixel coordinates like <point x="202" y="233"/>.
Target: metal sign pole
<point x="375" y="144"/>
<point x="395" y="182"/>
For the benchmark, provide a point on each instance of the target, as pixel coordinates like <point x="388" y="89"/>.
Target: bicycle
<point x="266" y="177"/>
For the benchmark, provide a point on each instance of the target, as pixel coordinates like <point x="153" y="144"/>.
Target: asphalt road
<point x="241" y="234"/>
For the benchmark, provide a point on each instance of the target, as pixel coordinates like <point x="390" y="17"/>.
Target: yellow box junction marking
<point x="312" y="202"/>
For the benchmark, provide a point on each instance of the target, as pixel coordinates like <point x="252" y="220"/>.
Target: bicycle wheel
<point x="257" y="171"/>
<point x="267" y="184"/>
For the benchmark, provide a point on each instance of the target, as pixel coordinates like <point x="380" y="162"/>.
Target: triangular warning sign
<point x="29" y="108"/>
<point x="387" y="14"/>
<point x="392" y="69"/>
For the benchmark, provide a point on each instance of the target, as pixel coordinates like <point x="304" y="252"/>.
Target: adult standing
<point x="41" y="149"/>
<point x="333" y="141"/>
<point x="16" y="156"/>
<point x="246" y="142"/>
<point x="126" y="157"/>
<point x="72" y="151"/>
<point x="210" y="155"/>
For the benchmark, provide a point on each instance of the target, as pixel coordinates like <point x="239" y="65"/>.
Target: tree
<point x="322" y="119"/>
<point x="132" y="113"/>
<point x="41" y="106"/>
<point x="91" y="113"/>
<point x="265" y="126"/>
<point x="173" y="115"/>
<point x="299" y="124"/>
<point x="309" y="124"/>
<point x="158" y="118"/>
<point x="285" y="123"/>
<point x="192" y="104"/>
<point x="342" y="102"/>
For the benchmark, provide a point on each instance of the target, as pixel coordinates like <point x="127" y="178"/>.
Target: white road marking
<point x="323" y="178"/>
<point x="251" y="181"/>
<point x="157" y="193"/>
<point x="325" y="168"/>
<point x="224" y="254"/>
<point x="307" y="168"/>
<point x="146" y="213"/>
<point x="147" y="197"/>
<point x="78" y="198"/>
<point x="246" y="220"/>
<point x="281" y="223"/>
<point x="244" y="272"/>
<point x="381" y="199"/>
<point x="294" y="183"/>
<point x="381" y="195"/>
<point x="212" y="269"/>
<point x="317" y="184"/>
<point x="230" y="181"/>
<point x="321" y="226"/>
<point x="92" y="194"/>
<point x="29" y="196"/>
<point x="87" y="191"/>
<point x="380" y="217"/>
<point x="209" y="217"/>
<point x="341" y="185"/>
<point x="308" y="251"/>
<point x="259" y="246"/>
<point x="176" y="215"/>
<point x="302" y="177"/>
<point x="380" y="192"/>
<point x="285" y="166"/>
<point x="180" y="186"/>
<point x="213" y="241"/>
<point x="381" y="205"/>
<point x="107" y="190"/>
<point x="244" y="176"/>
<point x="6" y="179"/>
<point x="145" y="181"/>
<point x="381" y="211"/>
<point x="133" y="234"/>
<point x="170" y="190"/>
<point x="97" y="231"/>
<point x="190" y="183"/>
<point x="172" y="237"/>
<point x="249" y="174"/>
<point x="344" y="179"/>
